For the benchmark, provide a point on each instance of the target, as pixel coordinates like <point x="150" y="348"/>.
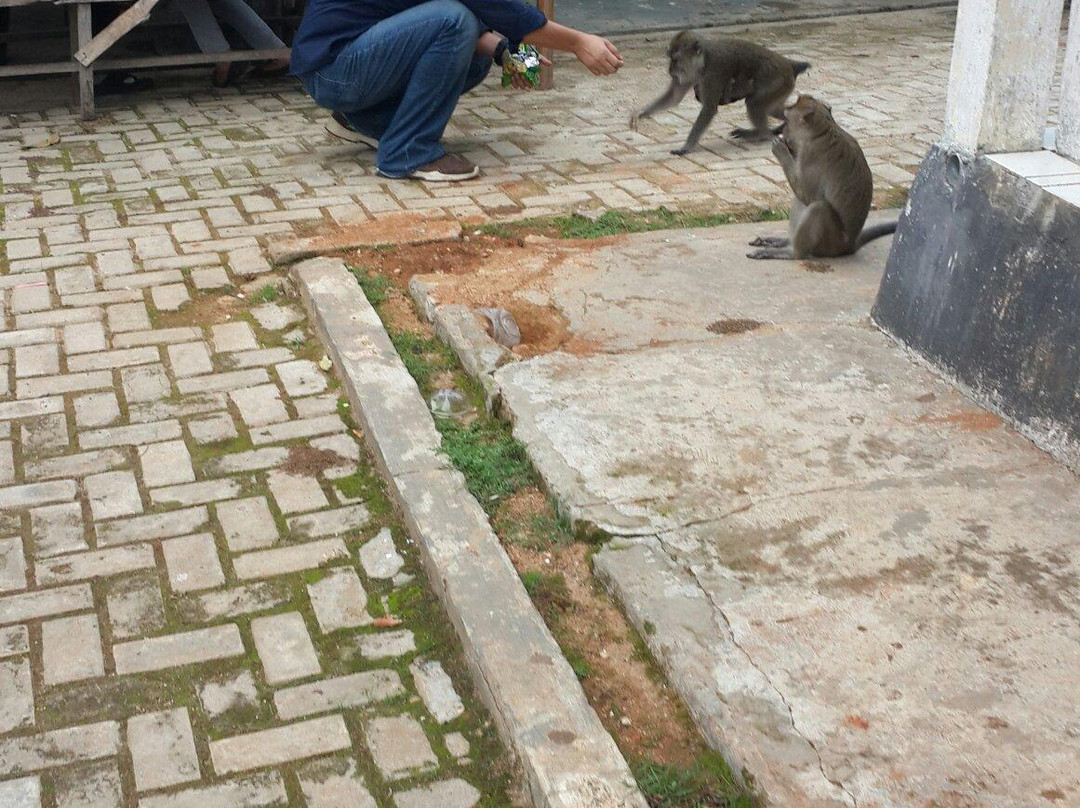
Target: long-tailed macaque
<point x="832" y="183"/>
<point x="721" y="71"/>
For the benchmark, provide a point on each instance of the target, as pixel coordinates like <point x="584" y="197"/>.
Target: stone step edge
<point x="567" y="757"/>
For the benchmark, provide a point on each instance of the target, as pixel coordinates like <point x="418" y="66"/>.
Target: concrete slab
<point x="863" y="584"/>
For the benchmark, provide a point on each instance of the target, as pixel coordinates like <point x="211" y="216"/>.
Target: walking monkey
<point x="721" y="71"/>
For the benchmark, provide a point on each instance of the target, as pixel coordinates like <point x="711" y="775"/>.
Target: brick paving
<point x="188" y="580"/>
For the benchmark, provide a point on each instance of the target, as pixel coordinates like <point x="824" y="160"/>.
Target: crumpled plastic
<point x="525" y="61"/>
<point x="504" y="328"/>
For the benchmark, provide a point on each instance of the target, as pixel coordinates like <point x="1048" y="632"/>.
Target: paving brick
<point x="301" y="377"/>
<point x="233" y="337"/>
<point x="64" y="383"/>
<point x="113" y="494"/>
<point x="94" y="564"/>
<point x="339" y="600"/>
<point x="386" y="644"/>
<point x="334" y="783"/>
<point x="93" y="785"/>
<point x="47" y="433"/>
<point x="294" y="493"/>
<point x="437" y="691"/>
<point x="174" y="650"/>
<point x="209" y="278"/>
<point x="135" y="606"/>
<point x="129" y="435"/>
<point x="14" y="641"/>
<point x="260" y="405"/>
<point x="380" y="558"/>
<point x="247" y="523"/>
<point x="222" y="382"/>
<point x="155" y="526"/>
<point x="80" y="464"/>
<point x="457" y="745"/>
<point x="283" y="560"/>
<point x="254" y="460"/>
<point x="24" y="792"/>
<point x="37" y="360"/>
<point x="272" y="747"/>
<point x="12" y="565"/>
<point x="446" y="794"/>
<point x="235" y="601"/>
<point x="26" y="606"/>
<point x="293" y="430"/>
<point x="7" y="460"/>
<point x="192" y="562"/>
<point x="337" y="693"/>
<point x="260" y="358"/>
<point x="160" y="336"/>
<point x="169" y="296"/>
<point x="215" y="429"/>
<point x="399" y="746"/>
<point x="162" y="749"/>
<point x="33" y="494"/>
<point x="96" y="409"/>
<point x="145" y="383"/>
<point x="71" y="649"/>
<point x="263" y="790"/>
<point x="314" y="406"/>
<point x="165" y="463"/>
<point x="29" y="753"/>
<point x="273" y="317"/>
<point x="127" y="316"/>
<point x="31" y="408"/>
<point x="234" y="693"/>
<point x="189" y="359"/>
<point x="122" y="358"/>
<point x="284" y="647"/>
<point x="57" y="529"/>
<point x="195" y="493"/>
<point x="16" y="695"/>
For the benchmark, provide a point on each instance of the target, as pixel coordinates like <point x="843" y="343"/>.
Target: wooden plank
<point x="81" y="33"/>
<point x="547" y="74"/>
<point x="192" y="59"/>
<point x="41" y="69"/>
<point x="138" y="13"/>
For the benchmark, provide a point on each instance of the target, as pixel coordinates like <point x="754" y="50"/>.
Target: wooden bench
<point x="87" y="50"/>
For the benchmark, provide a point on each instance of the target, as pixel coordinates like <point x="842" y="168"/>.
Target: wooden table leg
<point x="547" y="74"/>
<point x="83" y="78"/>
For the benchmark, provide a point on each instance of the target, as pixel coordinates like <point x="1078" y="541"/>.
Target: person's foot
<point x="339" y="128"/>
<point x="448" y="168"/>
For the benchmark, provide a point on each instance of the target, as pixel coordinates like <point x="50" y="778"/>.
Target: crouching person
<point x="391" y="71"/>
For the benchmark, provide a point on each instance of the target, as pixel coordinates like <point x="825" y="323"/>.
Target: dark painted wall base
<point x="984" y="282"/>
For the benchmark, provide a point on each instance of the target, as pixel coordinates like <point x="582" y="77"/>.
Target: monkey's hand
<point x="781" y="148"/>
<point x="680" y="151"/>
<point x="769" y="241"/>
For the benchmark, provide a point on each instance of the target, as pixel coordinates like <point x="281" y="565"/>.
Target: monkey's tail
<point x="875" y="231"/>
<point x="799" y="67"/>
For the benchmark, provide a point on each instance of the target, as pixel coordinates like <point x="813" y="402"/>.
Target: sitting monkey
<point x="832" y="183"/>
<point x="722" y="71"/>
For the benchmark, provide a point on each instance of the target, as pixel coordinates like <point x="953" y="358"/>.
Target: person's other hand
<point x="518" y="80"/>
<point x="600" y="56"/>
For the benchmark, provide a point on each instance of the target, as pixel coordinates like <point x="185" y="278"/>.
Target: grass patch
<point x="424" y="357"/>
<point x="618" y="222"/>
<point x="268" y="294"/>
<point x="376" y="287"/>
<point x="494" y="463"/>
<point x="707" y="783"/>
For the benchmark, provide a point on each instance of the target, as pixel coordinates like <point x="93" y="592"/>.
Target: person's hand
<point x="600" y="56"/>
<point x="518" y="80"/>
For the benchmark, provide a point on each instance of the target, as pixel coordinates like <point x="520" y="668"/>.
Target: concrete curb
<point x="568" y="758"/>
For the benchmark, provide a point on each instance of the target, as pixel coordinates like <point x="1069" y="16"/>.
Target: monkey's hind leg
<point x="771" y="241"/>
<point x="820" y="233"/>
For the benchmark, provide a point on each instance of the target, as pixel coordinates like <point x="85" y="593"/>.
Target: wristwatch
<point x="500" y="51"/>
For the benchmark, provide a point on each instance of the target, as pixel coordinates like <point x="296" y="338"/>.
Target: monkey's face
<point x="804" y="119"/>
<point x="687" y="59"/>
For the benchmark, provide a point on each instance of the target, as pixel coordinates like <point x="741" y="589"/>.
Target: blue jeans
<point x="400" y="80"/>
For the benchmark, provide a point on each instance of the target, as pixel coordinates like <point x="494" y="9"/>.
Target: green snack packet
<point x="525" y="60"/>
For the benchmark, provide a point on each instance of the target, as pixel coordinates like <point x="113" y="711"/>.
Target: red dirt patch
<point x="737" y="326"/>
<point x="399" y="228"/>
<point x="967" y="420"/>
<point x="307" y="461"/>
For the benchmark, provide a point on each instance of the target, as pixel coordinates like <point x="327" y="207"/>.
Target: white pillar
<point x="1068" y="136"/>
<point x="1002" y="67"/>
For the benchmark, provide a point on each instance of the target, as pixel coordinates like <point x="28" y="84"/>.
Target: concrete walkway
<point x="864" y="585"/>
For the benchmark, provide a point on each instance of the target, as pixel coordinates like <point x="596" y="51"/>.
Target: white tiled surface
<point x="1058" y="175"/>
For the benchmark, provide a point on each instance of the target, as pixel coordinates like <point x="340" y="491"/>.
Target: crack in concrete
<point x="718" y="609"/>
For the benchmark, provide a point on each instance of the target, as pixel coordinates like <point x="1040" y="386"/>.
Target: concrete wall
<point x="1002" y="69"/>
<point x="984" y="282"/>
<point x="1068" y="140"/>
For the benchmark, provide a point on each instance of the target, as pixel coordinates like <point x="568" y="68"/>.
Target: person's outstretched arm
<point x="596" y="53"/>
